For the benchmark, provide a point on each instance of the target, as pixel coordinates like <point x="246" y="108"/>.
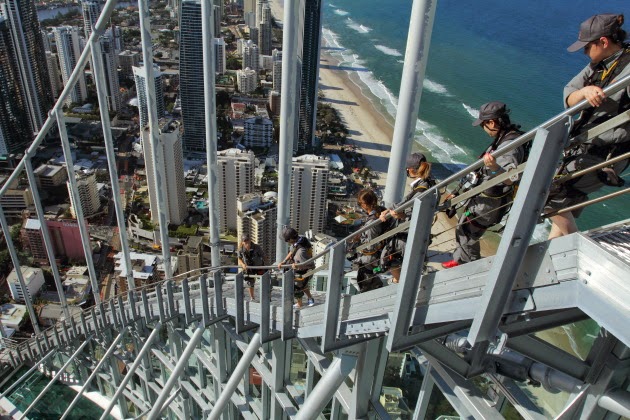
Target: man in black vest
<point x="602" y="40"/>
<point x="250" y="254"/>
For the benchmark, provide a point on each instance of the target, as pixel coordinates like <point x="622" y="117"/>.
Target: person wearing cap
<point x="601" y="38"/>
<point x="250" y="254"/>
<point x="488" y="208"/>
<point x="300" y="252"/>
<point x="419" y="171"/>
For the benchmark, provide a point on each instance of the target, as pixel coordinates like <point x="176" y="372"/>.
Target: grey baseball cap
<point x="596" y="27"/>
<point x="415" y="159"/>
<point x="490" y="111"/>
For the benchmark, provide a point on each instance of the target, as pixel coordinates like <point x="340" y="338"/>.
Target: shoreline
<point x="371" y="130"/>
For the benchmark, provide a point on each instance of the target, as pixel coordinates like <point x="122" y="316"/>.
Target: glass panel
<point x="576" y="338"/>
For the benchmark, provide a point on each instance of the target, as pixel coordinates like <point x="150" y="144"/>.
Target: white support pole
<point x="176" y="373"/>
<point x="18" y="272"/>
<point x="207" y="31"/>
<point x="288" y="116"/>
<point x="148" y="345"/>
<point x="102" y="23"/>
<point x="237" y="375"/>
<point x="46" y="237"/>
<point x="110" y="350"/>
<point x="338" y="371"/>
<point x="54" y="379"/>
<point x="72" y="180"/>
<point x="416" y="57"/>
<point x="157" y="151"/>
<point x="101" y="91"/>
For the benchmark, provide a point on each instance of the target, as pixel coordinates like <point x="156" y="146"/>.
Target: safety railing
<point x="56" y="115"/>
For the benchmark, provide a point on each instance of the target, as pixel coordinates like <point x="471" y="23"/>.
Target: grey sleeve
<point x="510" y="161"/>
<point x="373" y="232"/>
<point x="576" y="83"/>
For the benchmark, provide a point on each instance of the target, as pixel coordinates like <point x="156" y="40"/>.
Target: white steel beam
<point x="416" y="57"/>
<point x="78" y="211"/>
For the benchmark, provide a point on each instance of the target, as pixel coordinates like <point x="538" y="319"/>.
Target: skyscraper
<point x="191" y="77"/>
<point x="172" y="169"/>
<point x="56" y="83"/>
<point x="251" y="56"/>
<point x="277" y="70"/>
<point x="219" y="56"/>
<point x="309" y="59"/>
<point x="91" y="11"/>
<point x="247" y="80"/>
<point x="257" y="218"/>
<point x="309" y="183"/>
<point x="15" y="132"/>
<point x="88" y="194"/>
<point x="140" y="76"/>
<point x="69" y="50"/>
<point x="264" y="30"/>
<point x="30" y="57"/>
<point x="235" y="177"/>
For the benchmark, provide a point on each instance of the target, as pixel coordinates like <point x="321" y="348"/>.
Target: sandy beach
<point x="371" y="131"/>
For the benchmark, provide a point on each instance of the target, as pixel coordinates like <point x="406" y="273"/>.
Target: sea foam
<point x="340" y="12"/>
<point x="471" y="111"/>
<point x="362" y="29"/>
<point x="389" y="51"/>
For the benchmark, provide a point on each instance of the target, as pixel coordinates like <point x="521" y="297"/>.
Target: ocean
<point x="480" y="51"/>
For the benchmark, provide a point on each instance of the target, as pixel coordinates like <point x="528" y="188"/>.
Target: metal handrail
<point x="108" y="8"/>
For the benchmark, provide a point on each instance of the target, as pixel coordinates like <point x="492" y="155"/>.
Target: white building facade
<point x="235" y="176"/>
<point x="309" y="182"/>
<point x="33" y="281"/>
<point x="172" y="169"/>
<point x="69" y="50"/>
<point x="258" y="132"/>
<point x="247" y="80"/>
<point x="257" y="217"/>
<point x="88" y="194"/>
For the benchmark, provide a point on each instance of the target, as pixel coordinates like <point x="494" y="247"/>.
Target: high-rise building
<point x="309" y="183"/>
<point x="127" y="60"/>
<point x="219" y="56"/>
<point x="56" y="82"/>
<point x="15" y="129"/>
<point x="172" y="172"/>
<point x="249" y="6"/>
<point x="258" y="132"/>
<point x="91" y="11"/>
<point x="33" y="281"/>
<point x="88" y="195"/>
<point x="309" y="64"/>
<point x="235" y="177"/>
<point x="140" y="76"/>
<point x="251" y="56"/>
<point x="257" y="218"/>
<point x="30" y="57"/>
<point x="247" y="80"/>
<point x="191" y="77"/>
<point x="264" y="30"/>
<point x="69" y="51"/>
<point x="47" y="37"/>
<point x="276" y="70"/>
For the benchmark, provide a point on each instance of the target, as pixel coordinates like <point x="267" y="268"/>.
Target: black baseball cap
<point x="596" y="27"/>
<point x="490" y="111"/>
<point x="414" y="160"/>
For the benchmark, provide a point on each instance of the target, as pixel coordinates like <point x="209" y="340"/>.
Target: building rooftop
<point x="12" y="315"/>
<point x="48" y="170"/>
<point x="27" y="272"/>
<point x="54" y="311"/>
<point x="32" y="224"/>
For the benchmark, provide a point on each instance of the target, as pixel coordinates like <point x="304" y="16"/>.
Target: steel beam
<point x="288" y="115"/>
<point x="239" y="371"/>
<point x="364" y="379"/>
<point x="18" y="272"/>
<point x="411" y="271"/>
<point x="157" y="151"/>
<point x="207" y="31"/>
<point x="46" y="237"/>
<point x="130" y="372"/>
<point x="333" y="297"/>
<point x="98" y="74"/>
<point x="265" y="310"/>
<point x="27" y="374"/>
<point x="54" y="379"/>
<point x="416" y="57"/>
<point x="74" y="191"/>
<point x="530" y="199"/>
<point x="338" y="371"/>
